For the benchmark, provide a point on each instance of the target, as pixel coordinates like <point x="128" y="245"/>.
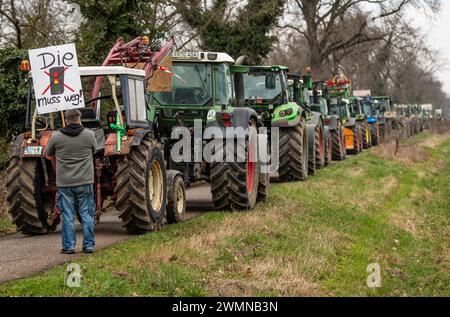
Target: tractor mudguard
<point x="350" y="122"/>
<point x="15" y="146"/>
<point x="240" y="117"/>
<point x="333" y="122"/>
<point x="283" y="120"/>
<point x="314" y="118"/>
<point x="126" y="144"/>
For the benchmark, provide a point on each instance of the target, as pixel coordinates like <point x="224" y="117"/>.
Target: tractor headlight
<point x="286" y="113"/>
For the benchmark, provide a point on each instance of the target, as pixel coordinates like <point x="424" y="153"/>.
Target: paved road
<point x="22" y="256"/>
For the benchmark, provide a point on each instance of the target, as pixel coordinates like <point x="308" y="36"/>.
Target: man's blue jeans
<point x="77" y="199"/>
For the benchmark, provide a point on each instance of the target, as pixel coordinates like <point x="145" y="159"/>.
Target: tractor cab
<point x="202" y="83"/>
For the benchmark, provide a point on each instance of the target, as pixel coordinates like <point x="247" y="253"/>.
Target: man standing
<point x="74" y="148"/>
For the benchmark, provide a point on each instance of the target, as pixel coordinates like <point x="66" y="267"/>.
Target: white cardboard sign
<point x="56" y="78"/>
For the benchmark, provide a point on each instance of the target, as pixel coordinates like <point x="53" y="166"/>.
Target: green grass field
<point x="311" y="239"/>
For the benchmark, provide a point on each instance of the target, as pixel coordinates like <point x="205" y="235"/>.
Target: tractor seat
<point x="89" y="118"/>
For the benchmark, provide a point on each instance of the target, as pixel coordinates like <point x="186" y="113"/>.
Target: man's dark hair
<point x="72" y="116"/>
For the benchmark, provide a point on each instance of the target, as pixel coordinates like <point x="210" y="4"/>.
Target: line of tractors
<point x="135" y="118"/>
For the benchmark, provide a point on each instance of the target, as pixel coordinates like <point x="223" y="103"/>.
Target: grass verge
<point x="313" y="238"/>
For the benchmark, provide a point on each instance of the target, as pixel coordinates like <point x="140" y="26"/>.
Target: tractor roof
<point x="110" y="70"/>
<point x="202" y="57"/>
<point x="273" y="68"/>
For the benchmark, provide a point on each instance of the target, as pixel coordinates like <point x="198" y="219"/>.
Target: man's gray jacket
<point x="74" y="148"/>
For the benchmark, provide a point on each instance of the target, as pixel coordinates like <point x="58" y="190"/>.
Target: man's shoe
<point x="68" y="251"/>
<point x="88" y="251"/>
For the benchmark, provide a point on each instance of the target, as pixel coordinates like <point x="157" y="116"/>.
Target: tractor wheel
<point x="366" y="136"/>
<point x="383" y="136"/>
<point x="338" y="145"/>
<point x="176" y="197"/>
<point x="375" y="136"/>
<point x="320" y="146"/>
<point x="264" y="174"/>
<point x="234" y="185"/>
<point x="329" y="149"/>
<point x="311" y="131"/>
<point x="293" y="154"/>
<point x="141" y="188"/>
<point x="28" y="205"/>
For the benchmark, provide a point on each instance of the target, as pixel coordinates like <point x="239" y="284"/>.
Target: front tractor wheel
<point x="28" y="204"/>
<point x="338" y="145"/>
<point x="176" y="197"/>
<point x="293" y="154"/>
<point x="141" y="188"/>
<point x="234" y="183"/>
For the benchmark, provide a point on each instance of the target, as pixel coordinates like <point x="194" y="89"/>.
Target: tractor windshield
<point x="337" y="109"/>
<point x="383" y="105"/>
<point x="368" y="108"/>
<point x="263" y="85"/>
<point x="191" y="85"/>
<point x="354" y="108"/>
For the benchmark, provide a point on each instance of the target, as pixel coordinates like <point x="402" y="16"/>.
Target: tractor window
<point x="337" y="109"/>
<point x="255" y="86"/>
<point x="191" y="85"/>
<point x="138" y="109"/>
<point x="354" y="108"/>
<point x="224" y="87"/>
<point x="368" y="109"/>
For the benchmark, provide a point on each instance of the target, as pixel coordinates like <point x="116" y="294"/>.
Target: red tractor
<point x="129" y="164"/>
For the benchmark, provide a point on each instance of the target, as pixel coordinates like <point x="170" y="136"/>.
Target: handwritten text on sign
<point x="56" y="78"/>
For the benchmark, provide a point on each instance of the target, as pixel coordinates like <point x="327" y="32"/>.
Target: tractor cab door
<point x="134" y="97"/>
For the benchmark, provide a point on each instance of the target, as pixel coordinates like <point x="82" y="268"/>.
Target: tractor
<point x="319" y="137"/>
<point x="339" y="105"/>
<point x="426" y="116"/>
<point x="387" y="117"/>
<point x="208" y="93"/>
<point x="267" y="93"/>
<point x="357" y="112"/>
<point x="404" y="119"/>
<point x="129" y="165"/>
<point x="335" y="131"/>
<point x="367" y="105"/>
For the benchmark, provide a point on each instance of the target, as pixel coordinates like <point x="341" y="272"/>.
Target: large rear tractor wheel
<point x="176" y="198"/>
<point x="311" y="132"/>
<point x="234" y="185"/>
<point x="28" y="205"/>
<point x="293" y="154"/>
<point x="320" y="146"/>
<point x="383" y="135"/>
<point x="141" y="188"/>
<point x="375" y="135"/>
<point x="338" y="145"/>
<point x="366" y="136"/>
<point x="329" y="149"/>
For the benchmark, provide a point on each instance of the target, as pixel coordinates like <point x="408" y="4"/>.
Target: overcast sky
<point x="439" y="37"/>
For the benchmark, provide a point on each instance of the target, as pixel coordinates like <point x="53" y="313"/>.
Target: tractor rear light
<point x="226" y="119"/>
<point x="289" y="112"/>
<point x="26" y="135"/>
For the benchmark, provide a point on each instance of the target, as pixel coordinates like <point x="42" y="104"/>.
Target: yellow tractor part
<point x="349" y="139"/>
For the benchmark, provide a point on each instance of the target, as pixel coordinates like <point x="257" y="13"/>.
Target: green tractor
<point x="357" y="112"/>
<point x="267" y="93"/>
<point x="334" y="129"/>
<point x="206" y="99"/>
<point x="387" y="117"/>
<point x="339" y="105"/>
<point x="319" y="137"/>
<point x="426" y="116"/>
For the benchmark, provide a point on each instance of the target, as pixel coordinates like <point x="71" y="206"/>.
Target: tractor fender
<point x="333" y="122"/>
<point x="139" y="136"/>
<point x="293" y="120"/>
<point x="14" y="150"/>
<point x="241" y="117"/>
<point x="314" y="118"/>
<point x="126" y="143"/>
<point x="350" y="123"/>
